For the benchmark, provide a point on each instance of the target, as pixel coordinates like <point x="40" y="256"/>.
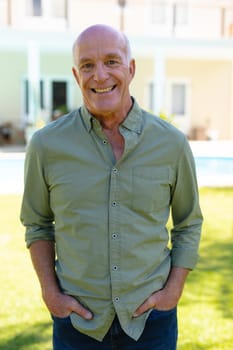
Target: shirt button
<point x="114" y="235"/>
<point x="116" y="299"/>
<point x="115" y="171"/>
<point x="115" y="268"/>
<point x="105" y="142"/>
<point x="114" y="204"/>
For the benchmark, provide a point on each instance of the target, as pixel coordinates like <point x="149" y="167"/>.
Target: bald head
<point x="102" y="32"/>
<point x="104" y="70"/>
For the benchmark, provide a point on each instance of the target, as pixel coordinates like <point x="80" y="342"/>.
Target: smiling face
<point x="103" y="71"/>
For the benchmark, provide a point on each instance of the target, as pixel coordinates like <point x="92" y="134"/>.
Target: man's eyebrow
<point x="113" y="55"/>
<point x="83" y="60"/>
<point x="109" y="55"/>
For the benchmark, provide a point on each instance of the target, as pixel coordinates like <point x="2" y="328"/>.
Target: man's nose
<point x="101" y="72"/>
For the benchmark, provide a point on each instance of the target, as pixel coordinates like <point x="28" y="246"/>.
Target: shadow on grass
<point x="26" y="338"/>
<point x="215" y="269"/>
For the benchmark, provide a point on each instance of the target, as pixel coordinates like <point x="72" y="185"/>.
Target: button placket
<point x="115" y="237"/>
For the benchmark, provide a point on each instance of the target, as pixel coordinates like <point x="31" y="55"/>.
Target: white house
<point x="183" y="51"/>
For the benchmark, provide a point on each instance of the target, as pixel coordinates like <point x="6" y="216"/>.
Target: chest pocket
<point x="151" y="189"/>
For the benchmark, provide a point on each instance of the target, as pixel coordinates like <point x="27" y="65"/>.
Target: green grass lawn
<point x="206" y="308"/>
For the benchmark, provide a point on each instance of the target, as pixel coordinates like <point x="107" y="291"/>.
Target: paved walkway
<point x="212" y="148"/>
<point x="12" y="149"/>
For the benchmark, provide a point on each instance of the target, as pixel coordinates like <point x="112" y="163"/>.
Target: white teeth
<point x="103" y="90"/>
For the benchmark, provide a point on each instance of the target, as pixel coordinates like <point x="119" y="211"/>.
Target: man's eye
<point x="86" y="67"/>
<point x="112" y="62"/>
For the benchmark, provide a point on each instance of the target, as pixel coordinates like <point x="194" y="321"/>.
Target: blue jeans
<point x="160" y="333"/>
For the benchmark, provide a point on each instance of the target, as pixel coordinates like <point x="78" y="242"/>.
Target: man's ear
<point x="132" y="68"/>
<point x="75" y="74"/>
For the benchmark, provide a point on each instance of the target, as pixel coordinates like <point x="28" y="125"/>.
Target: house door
<point x="59" y="98"/>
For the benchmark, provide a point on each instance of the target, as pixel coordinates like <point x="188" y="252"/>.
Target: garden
<point x="205" y="310"/>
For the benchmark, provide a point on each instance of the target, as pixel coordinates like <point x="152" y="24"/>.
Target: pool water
<point x="218" y="166"/>
<point x="214" y="170"/>
<point x="211" y="171"/>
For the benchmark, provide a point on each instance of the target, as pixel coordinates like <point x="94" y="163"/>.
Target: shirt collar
<point x="133" y="121"/>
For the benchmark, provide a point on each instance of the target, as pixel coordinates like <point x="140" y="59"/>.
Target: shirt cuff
<point x="34" y="234"/>
<point x="184" y="258"/>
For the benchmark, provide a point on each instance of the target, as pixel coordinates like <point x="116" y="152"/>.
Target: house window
<point x="37" y="8"/>
<point x="180" y="13"/>
<point x="59" y="95"/>
<point x="158" y="12"/>
<point x="58" y="8"/>
<point x="151" y="96"/>
<point x="52" y="98"/>
<point x="173" y="13"/>
<point x="27" y="96"/>
<point x="49" y="9"/>
<point x="178" y="99"/>
<point x="42" y="103"/>
<point x="34" y="8"/>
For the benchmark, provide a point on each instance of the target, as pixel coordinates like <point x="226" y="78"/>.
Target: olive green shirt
<point x="109" y="218"/>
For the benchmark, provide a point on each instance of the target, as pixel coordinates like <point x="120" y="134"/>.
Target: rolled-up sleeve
<point x="36" y="214"/>
<point x="186" y="212"/>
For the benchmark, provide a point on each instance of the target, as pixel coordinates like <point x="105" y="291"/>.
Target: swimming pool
<point x="214" y="171"/>
<point x="211" y="171"/>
